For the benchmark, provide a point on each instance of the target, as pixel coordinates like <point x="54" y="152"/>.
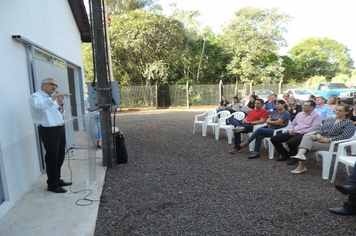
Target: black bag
<point x="121" y="152"/>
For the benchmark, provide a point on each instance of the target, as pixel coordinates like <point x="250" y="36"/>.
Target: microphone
<point x="57" y="92"/>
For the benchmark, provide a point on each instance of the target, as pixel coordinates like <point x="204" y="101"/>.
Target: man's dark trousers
<point x="54" y="141"/>
<point x="292" y="141"/>
<point x="351" y="203"/>
<point x="237" y="136"/>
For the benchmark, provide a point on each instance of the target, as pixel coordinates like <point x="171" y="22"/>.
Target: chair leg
<point x="217" y="131"/>
<point x="335" y="170"/>
<point x="270" y="149"/>
<point x="204" y="127"/>
<point x="347" y="170"/>
<point x="326" y="165"/>
<point x="229" y="135"/>
<point x="317" y="156"/>
<point x="252" y="146"/>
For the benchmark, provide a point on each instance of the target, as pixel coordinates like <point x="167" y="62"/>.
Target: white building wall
<point x="50" y="24"/>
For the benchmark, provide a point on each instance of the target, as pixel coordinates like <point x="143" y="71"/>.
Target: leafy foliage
<point x="322" y="57"/>
<point x="252" y="38"/>
<point x="291" y="70"/>
<point x="150" y="48"/>
<point x="144" y="44"/>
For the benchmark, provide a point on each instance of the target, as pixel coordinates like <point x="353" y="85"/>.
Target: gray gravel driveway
<point x="180" y="183"/>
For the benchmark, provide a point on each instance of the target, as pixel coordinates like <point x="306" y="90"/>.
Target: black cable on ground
<point x="90" y="201"/>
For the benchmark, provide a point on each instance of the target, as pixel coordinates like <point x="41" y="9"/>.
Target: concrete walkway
<point x="40" y="212"/>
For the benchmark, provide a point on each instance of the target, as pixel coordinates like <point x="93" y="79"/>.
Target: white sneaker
<point x="238" y="129"/>
<point x="300" y="158"/>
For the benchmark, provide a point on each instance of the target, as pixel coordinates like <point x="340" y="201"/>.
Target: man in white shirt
<point x="47" y="113"/>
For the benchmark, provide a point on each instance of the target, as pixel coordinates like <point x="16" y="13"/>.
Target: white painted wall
<point x="50" y="24"/>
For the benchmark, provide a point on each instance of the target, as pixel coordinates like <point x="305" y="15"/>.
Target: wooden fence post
<point x="187" y="94"/>
<point x="220" y="93"/>
<point x="156" y="94"/>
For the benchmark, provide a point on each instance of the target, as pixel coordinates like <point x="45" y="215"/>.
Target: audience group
<point x="312" y="127"/>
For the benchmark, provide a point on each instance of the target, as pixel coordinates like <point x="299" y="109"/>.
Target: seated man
<point x="255" y="117"/>
<point x="305" y="122"/>
<point x="271" y="104"/>
<point x="325" y="111"/>
<point x="349" y="207"/>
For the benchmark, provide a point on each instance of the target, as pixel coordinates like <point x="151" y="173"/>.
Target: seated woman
<point x="293" y="108"/>
<point x="234" y="106"/>
<point x="338" y="128"/>
<point x="251" y="105"/>
<point x="286" y="97"/>
<point x="278" y="119"/>
<point x="222" y="104"/>
<point x="332" y="102"/>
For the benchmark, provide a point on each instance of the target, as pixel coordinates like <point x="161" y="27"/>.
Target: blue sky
<point x="334" y="19"/>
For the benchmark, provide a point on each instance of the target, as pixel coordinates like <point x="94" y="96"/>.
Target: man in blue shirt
<point x="325" y="111"/>
<point x="271" y="104"/>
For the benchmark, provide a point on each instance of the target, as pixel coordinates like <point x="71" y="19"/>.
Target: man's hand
<point x="244" y="121"/>
<point x="293" y="132"/>
<point x="60" y="95"/>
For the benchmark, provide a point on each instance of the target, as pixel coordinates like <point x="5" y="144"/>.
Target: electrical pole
<point x="104" y="99"/>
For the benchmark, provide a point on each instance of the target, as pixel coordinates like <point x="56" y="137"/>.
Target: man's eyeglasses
<point x="54" y="85"/>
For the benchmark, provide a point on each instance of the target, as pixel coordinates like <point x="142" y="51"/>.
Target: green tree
<point x="322" y="57"/>
<point x="291" y="71"/>
<point x="252" y="39"/>
<point x="144" y="45"/>
<point x="87" y="62"/>
<point x="122" y="6"/>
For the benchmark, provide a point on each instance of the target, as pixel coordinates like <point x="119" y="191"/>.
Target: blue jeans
<point x="351" y="203"/>
<point x="237" y="136"/>
<point x="259" y="135"/>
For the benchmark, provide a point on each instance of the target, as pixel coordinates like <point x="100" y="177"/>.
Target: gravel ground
<point x="180" y="183"/>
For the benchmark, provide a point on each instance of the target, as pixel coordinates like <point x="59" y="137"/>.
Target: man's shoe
<point x="56" y="189"/>
<point x="253" y="157"/>
<point x="299" y="158"/>
<point x="283" y="158"/>
<point x="62" y="183"/>
<point x="341" y="211"/>
<point x="235" y="150"/>
<point x="292" y="162"/>
<point x="238" y="129"/>
<point x="347" y="189"/>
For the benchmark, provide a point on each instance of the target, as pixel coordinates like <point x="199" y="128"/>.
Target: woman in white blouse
<point x="338" y="128"/>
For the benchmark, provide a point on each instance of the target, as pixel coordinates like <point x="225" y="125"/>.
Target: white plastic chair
<point x="228" y="128"/>
<point x="342" y="157"/>
<point x="209" y="121"/>
<point x="202" y="122"/>
<point x="270" y="144"/>
<point x="256" y="127"/>
<point x="327" y="155"/>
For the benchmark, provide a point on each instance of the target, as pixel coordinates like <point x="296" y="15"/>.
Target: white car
<point x="300" y="94"/>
